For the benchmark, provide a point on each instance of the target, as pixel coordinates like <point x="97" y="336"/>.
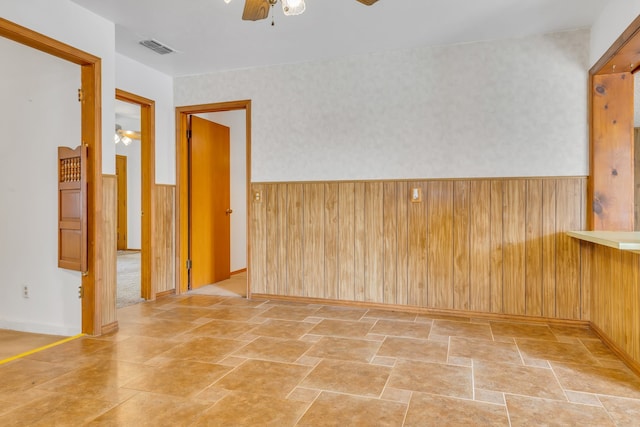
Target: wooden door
<point x="121" y="175"/>
<point x="209" y="203"/>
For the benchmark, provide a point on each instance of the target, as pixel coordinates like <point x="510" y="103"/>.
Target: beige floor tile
<point x="137" y="349"/>
<point x="348" y="377"/>
<point x="9" y="402"/>
<point x="234" y="313"/>
<point x="222" y="329"/>
<point x="525" y="380"/>
<point x="528" y="411"/>
<point x="185" y="314"/>
<point x="572" y="331"/>
<point x="522" y="330"/>
<point x="178" y="378"/>
<point x="152" y="410"/>
<point x="298" y="313"/>
<point x="265" y="411"/>
<point x="343" y="313"/>
<point x="434" y="378"/>
<point x="157" y="328"/>
<point x="211" y="394"/>
<point x="276" y="349"/>
<point x="430" y="317"/>
<point x="624" y="412"/>
<point x="342" y="328"/>
<point x="344" y="349"/>
<point x="338" y="410"/>
<point x="204" y="349"/>
<point x="597" y="380"/>
<point x="429" y="410"/>
<point x="282" y="329"/>
<point x="409" y="348"/>
<point x="555" y="351"/>
<point x="263" y="377"/>
<point x="55" y="409"/>
<point x="24" y="374"/>
<point x="448" y="328"/>
<point x="390" y="315"/>
<point x="484" y="350"/>
<point x="200" y="300"/>
<point x="488" y="396"/>
<point x="72" y="349"/>
<point x="583" y="398"/>
<point x="396" y="395"/>
<point x="598" y="349"/>
<point x="402" y="329"/>
<point x="300" y="394"/>
<point x="13" y="343"/>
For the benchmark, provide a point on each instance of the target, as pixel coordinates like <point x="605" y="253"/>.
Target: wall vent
<point x="157" y="47"/>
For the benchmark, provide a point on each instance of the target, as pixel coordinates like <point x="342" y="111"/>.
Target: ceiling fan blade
<point x="368" y="2"/>
<point x="255" y="10"/>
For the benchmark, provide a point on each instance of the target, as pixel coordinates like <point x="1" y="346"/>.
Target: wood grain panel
<point x="496" y="241"/>
<point x="313" y="232"/>
<point x="390" y="256"/>
<point x="164" y="232"/>
<point x="514" y="238"/>
<point x="480" y="244"/>
<point x="109" y="250"/>
<point x="258" y="222"/>
<point x="360" y="239"/>
<point x="346" y="240"/>
<point x="533" y="248"/>
<point x="273" y="230"/>
<point x="440" y="243"/>
<point x="374" y="242"/>
<point x="549" y="248"/>
<point x="417" y="250"/>
<point x="331" y="210"/>
<point x="569" y="199"/>
<point x="461" y="245"/>
<point x="295" y="240"/>
<point x="402" y="283"/>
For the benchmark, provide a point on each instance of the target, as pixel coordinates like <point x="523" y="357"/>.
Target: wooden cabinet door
<point x="72" y="208"/>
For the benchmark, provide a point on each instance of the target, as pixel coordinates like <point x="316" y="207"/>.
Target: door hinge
<point x="189" y="264"/>
<point x="80" y="292"/>
<point x="188" y="133"/>
<point x="80" y="95"/>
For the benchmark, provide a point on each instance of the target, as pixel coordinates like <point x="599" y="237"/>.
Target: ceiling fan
<point x="255" y="10"/>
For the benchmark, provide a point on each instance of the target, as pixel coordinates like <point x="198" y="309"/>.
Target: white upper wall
<point x="488" y="109"/>
<point x="71" y="24"/>
<point x="612" y="21"/>
<point x="136" y="78"/>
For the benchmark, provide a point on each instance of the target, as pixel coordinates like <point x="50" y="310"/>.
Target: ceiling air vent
<point x="156" y="46"/>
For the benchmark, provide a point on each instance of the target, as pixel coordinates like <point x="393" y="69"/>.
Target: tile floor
<point x="221" y="361"/>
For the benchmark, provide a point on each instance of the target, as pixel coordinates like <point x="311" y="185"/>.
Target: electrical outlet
<point x="25" y="291"/>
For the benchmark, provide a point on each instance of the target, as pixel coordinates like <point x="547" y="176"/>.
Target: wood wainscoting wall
<point x="109" y="252"/>
<point x="479" y="245"/>
<point x="164" y="237"/>
<point x="615" y="298"/>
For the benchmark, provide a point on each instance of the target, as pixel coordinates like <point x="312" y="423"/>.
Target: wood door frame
<point x="182" y="179"/>
<point x="91" y="136"/>
<point x="148" y="166"/>
<point x="126" y="207"/>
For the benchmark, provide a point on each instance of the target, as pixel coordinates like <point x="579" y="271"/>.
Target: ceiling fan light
<point x="293" y="7"/>
<point x="126" y="140"/>
<point x="227" y="1"/>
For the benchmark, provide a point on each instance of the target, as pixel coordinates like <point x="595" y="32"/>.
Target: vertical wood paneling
<point x="346" y="240"/>
<point x="374" y="241"/>
<point x="258" y="222"/>
<point x="360" y="239"/>
<point x="295" y="239"/>
<point x="402" y="290"/>
<point x="480" y="246"/>
<point x="549" y="248"/>
<point x="109" y="250"/>
<point x="514" y="238"/>
<point x="313" y="232"/>
<point x="440" y="244"/>
<point x="163" y="277"/>
<point x="331" y="240"/>
<point x="390" y="258"/>
<point x="461" y="245"/>
<point x="533" y="248"/>
<point x="586" y="278"/>
<point x="568" y="214"/>
<point x="417" y="251"/>
<point x="271" y="200"/>
<point x="497" y="230"/>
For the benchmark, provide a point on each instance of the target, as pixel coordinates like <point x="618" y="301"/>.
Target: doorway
<point x="183" y="213"/>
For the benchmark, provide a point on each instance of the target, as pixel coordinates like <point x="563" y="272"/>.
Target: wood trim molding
<point x="618" y="54"/>
<point x="111" y="327"/>
<point x="147" y="123"/>
<point x="182" y="232"/>
<point x="626" y="358"/>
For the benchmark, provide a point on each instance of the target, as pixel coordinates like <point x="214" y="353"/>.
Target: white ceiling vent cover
<point x="157" y="47"/>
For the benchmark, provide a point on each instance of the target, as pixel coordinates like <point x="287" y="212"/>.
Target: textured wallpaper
<point x="498" y="108"/>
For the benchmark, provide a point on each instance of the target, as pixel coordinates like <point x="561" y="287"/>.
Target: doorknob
<point x="229" y="211"/>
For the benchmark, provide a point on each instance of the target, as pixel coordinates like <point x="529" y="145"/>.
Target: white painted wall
<point x="136" y="78"/>
<point x="611" y="23"/>
<point x="30" y="206"/>
<point x="500" y="108"/>
<point x="38" y="112"/>
<point x="236" y="122"/>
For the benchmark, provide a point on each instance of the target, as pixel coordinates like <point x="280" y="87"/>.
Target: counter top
<point x="623" y="240"/>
